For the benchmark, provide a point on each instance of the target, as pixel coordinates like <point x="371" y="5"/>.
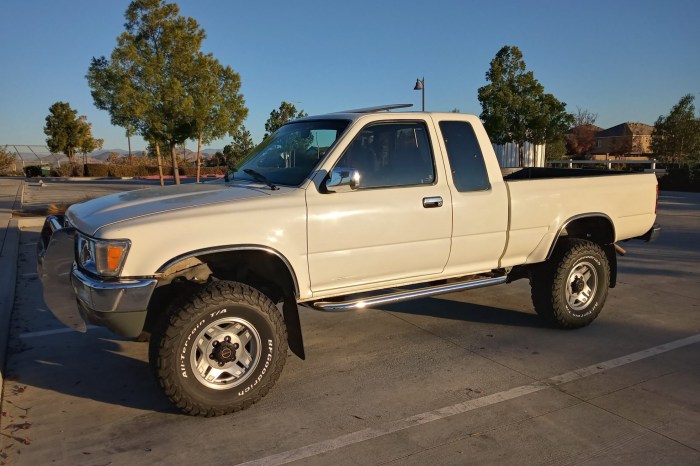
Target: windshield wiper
<point x="261" y="178"/>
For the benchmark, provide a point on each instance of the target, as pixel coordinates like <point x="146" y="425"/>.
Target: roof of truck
<point x="358" y="112"/>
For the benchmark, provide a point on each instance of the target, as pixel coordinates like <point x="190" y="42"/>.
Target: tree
<point x="149" y="81"/>
<point x="515" y="107"/>
<point x="219" y="107"/>
<point x="279" y="117"/>
<point x="241" y="146"/>
<point x="7" y="162"/>
<point x="584" y="117"/>
<point x="556" y="149"/>
<point x="88" y="143"/>
<point x="217" y="160"/>
<point x="67" y="132"/>
<point x="581" y="138"/>
<point x="676" y="136"/>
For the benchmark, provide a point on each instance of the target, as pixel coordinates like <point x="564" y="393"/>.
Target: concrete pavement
<point x="466" y="378"/>
<point x="35" y="196"/>
<point x="40" y="194"/>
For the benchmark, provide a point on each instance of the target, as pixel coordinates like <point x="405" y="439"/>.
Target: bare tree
<point x="584" y="117"/>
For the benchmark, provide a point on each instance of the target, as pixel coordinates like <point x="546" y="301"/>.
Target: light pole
<point x="420" y="86"/>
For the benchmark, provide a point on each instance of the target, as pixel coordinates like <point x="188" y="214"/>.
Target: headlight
<point x="101" y="256"/>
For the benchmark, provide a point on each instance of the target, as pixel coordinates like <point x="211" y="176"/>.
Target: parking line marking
<point x="460" y="408"/>
<point x="43" y="333"/>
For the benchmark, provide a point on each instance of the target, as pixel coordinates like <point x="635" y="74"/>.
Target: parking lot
<point x="465" y="378"/>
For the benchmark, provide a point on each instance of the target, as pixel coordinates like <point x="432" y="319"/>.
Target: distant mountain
<point x="102" y="155"/>
<point x="120" y="151"/>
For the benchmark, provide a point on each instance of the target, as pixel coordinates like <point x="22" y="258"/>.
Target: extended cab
<point x="339" y="211"/>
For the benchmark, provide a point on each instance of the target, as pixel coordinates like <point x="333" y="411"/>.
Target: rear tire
<point x="220" y="350"/>
<point x="569" y="290"/>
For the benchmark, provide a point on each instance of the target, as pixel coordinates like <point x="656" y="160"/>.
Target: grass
<point x="45" y="210"/>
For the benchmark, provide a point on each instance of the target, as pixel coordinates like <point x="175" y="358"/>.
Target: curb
<point x="30" y="222"/>
<point x="8" y="270"/>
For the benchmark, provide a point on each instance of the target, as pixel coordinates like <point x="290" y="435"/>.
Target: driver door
<point x="396" y="226"/>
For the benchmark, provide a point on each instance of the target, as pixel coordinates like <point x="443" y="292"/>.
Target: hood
<point x="89" y="216"/>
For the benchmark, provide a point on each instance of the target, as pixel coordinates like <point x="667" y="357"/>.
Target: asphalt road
<point x="466" y="378"/>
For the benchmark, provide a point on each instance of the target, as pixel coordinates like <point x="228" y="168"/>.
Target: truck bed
<point x="537" y="173"/>
<point x="544" y="199"/>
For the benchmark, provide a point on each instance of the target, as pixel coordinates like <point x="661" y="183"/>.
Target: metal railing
<point x="33" y="154"/>
<point x="570" y="163"/>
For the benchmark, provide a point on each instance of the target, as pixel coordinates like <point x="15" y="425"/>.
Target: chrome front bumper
<point x="76" y="298"/>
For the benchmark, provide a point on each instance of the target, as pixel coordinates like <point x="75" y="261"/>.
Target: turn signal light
<point x="110" y="256"/>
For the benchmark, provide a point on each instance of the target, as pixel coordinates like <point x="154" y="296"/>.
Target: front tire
<point x="570" y="289"/>
<point x="220" y="350"/>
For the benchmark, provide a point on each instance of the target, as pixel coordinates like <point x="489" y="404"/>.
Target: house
<point x="626" y="139"/>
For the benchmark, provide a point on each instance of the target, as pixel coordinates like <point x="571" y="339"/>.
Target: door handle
<point x="430" y="202"/>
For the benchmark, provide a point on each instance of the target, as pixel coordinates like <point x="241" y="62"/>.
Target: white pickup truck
<point x="340" y="211"/>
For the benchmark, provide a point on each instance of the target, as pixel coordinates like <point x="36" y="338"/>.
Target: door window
<point x="391" y="154"/>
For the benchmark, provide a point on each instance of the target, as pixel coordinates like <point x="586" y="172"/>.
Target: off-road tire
<point x="569" y="290"/>
<point x="225" y="320"/>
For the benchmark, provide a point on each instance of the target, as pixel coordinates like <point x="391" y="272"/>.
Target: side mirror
<point x="342" y="180"/>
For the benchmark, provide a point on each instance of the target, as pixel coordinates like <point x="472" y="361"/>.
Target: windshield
<point x="289" y="155"/>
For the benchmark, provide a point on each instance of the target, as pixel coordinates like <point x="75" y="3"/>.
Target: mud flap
<point x="612" y="261"/>
<point x="291" y="320"/>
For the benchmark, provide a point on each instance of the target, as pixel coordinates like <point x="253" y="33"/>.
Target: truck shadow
<point x="465" y="311"/>
<point x="101" y="367"/>
<point x="88" y="366"/>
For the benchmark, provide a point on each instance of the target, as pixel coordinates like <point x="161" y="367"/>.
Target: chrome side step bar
<point x="408" y="294"/>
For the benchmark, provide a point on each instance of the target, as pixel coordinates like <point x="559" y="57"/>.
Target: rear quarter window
<point x="464" y="153"/>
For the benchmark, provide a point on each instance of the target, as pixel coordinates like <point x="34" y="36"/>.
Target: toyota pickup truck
<point x="334" y="212"/>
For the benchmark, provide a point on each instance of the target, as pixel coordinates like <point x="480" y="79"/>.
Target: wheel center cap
<point x="224" y="352"/>
<point x="578" y="285"/>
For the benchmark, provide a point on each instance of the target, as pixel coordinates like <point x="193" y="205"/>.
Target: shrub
<point x="32" y="170"/>
<point x="192" y="171"/>
<point x="96" y="169"/>
<point x="65" y="170"/>
<point x="680" y="178"/>
<point x="7" y="163"/>
<point x="128" y="170"/>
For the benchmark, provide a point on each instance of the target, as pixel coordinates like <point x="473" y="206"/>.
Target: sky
<point x="620" y="59"/>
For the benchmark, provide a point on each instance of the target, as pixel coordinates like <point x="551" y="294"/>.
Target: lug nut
<point x="227" y="339"/>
